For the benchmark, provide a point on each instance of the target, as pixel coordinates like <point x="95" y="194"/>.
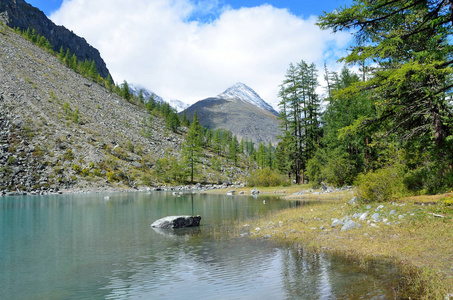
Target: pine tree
<point x="93" y="71"/>
<point x="185" y="120"/>
<point x="61" y="54"/>
<point x="141" y="98"/>
<point x="109" y="83"/>
<point x="216" y="141"/>
<point x="233" y="150"/>
<point x="125" y="91"/>
<point x="172" y="121"/>
<point x="261" y="155"/>
<point x="300" y="113"/>
<point x="192" y="146"/>
<point x="73" y="62"/>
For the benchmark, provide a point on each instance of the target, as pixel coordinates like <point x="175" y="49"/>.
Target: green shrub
<point x="77" y="168"/>
<point x="11" y="160"/>
<point x="97" y="172"/>
<point x="69" y="155"/>
<point x="85" y="172"/>
<point x="334" y="168"/>
<point x="267" y="177"/>
<point x="111" y="176"/>
<point x="381" y="185"/>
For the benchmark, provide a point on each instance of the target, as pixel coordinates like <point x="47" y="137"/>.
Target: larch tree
<point x="300" y="110"/>
<point x="192" y="147"/>
<point x="408" y="46"/>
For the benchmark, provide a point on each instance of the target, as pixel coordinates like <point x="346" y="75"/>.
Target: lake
<point x="84" y="246"/>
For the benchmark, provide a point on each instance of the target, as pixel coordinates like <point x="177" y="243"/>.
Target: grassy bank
<point x="415" y="233"/>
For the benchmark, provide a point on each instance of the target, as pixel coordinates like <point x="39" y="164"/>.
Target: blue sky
<point x="190" y="50"/>
<point x="299" y="8"/>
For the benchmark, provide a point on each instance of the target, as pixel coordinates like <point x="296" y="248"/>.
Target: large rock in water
<point x="177" y="222"/>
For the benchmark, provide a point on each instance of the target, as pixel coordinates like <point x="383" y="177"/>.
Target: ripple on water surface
<point x="83" y="247"/>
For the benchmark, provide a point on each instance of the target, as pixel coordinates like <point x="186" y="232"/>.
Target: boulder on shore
<point x="177" y="222"/>
<point x="348" y="225"/>
<point x="255" y="192"/>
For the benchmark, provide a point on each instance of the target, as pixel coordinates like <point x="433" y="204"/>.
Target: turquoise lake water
<point x="86" y="247"/>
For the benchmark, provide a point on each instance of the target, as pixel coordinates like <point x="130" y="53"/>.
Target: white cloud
<point x="160" y="45"/>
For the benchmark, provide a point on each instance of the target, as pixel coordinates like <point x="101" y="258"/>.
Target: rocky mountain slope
<point x="240" y="110"/>
<point x="60" y="130"/>
<point x="18" y="13"/>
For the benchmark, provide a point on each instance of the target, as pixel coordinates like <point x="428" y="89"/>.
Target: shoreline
<point x="108" y="188"/>
<point x="414" y="233"/>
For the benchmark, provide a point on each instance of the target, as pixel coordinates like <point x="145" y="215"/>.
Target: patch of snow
<point x="178" y="105"/>
<point x="247" y="94"/>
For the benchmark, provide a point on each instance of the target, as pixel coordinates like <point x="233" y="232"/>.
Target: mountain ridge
<point x="59" y="130"/>
<point x="22" y="15"/>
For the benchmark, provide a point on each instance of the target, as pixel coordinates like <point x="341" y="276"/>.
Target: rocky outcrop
<point x="18" y="13"/>
<point x="177" y="222"/>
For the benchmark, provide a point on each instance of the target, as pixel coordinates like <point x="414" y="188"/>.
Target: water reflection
<point x="326" y="277"/>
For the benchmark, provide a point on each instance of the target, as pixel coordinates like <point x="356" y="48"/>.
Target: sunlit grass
<point x="419" y="239"/>
<point x="420" y="242"/>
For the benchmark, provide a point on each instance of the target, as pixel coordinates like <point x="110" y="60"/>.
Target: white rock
<point x="336" y="222"/>
<point x="363" y="216"/>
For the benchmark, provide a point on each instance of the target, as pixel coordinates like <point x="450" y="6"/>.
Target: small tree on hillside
<point x="192" y="146"/>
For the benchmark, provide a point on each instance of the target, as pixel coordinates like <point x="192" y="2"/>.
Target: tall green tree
<point x="409" y="45"/>
<point x="233" y="149"/>
<point x="404" y="49"/>
<point x="192" y="147"/>
<point x="125" y="91"/>
<point x="172" y="121"/>
<point x="216" y="142"/>
<point x="283" y="154"/>
<point x="300" y="111"/>
<point x="261" y="155"/>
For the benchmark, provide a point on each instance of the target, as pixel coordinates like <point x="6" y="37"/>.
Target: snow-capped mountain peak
<point x="136" y="88"/>
<point x="147" y="94"/>
<point x="178" y="105"/>
<point x="247" y="94"/>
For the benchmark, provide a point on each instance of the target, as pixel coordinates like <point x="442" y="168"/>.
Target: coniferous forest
<point x="387" y="121"/>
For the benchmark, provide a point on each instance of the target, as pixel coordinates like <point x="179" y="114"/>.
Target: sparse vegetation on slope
<point x="82" y="134"/>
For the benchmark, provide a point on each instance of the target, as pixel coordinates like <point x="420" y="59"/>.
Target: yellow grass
<point x="420" y="242"/>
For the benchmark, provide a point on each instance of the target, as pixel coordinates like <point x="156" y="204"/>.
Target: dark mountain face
<point x="18" y="13"/>
<point x="243" y="118"/>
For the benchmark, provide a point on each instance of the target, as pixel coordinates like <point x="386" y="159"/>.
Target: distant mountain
<point x="176" y="104"/>
<point x="135" y="90"/>
<point x="240" y="110"/>
<point x="245" y="93"/>
<point x="19" y="14"/>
